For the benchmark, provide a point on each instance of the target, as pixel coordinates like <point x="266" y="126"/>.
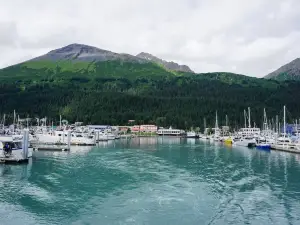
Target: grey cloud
<point x="249" y="37"/>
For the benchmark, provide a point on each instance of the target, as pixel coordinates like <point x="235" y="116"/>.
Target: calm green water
<point x="153" y="181"/>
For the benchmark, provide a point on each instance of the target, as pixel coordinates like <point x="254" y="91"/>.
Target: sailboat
<point x="283" y="142"/>
<point x="266" y="138"/>
<point x="216" y="136"/>
<point x="246" y="136"/>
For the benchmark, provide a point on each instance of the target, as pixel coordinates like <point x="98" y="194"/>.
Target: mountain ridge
<point x="168" y="65"/>
<point x="289" y="71"/>
<point x="82" y="52"/>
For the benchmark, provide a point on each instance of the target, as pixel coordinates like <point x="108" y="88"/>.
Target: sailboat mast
<point x="249" y="119"/>
<point x="297" y="128"/>
<point x="226" y="120"/>
<point x="245" y="118"/>
<point x="217" y="126"/>
<point x="284" y="125"/>
<point x="277" y="125"/>
<point x="59" y="121"/>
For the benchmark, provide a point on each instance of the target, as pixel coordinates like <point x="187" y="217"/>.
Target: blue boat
<point x="264" y="146"/>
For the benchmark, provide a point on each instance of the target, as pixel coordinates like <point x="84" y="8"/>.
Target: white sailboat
<point x="246" y="136"/>
<point x="283" y="142"/>
<point x="216" y="136"/>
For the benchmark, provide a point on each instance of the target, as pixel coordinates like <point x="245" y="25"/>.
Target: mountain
<point x="84" y="61"/>
<point x="290" y="71"/>
<point x="84" y="83"/>
<point x="86" y="53"/>
<point x="168" y="65"/>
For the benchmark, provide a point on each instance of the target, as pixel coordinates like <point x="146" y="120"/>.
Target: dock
<point x="55" y="148"/>
<point x="285" y="149"/>
<point x="13" y="160"/>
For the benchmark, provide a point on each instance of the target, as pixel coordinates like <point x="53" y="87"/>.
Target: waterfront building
<point x="146" y="128"/>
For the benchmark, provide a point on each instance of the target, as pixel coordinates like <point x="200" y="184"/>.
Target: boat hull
<point x="265" y="147"/>
<point x="245" y="143"/>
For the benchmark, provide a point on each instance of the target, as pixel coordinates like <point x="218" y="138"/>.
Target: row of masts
<point x="267" y="125"/>
<point x="40" y="122"/>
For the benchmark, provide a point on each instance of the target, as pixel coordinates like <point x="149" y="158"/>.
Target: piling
<point x="25" y="143"/>
<point x="69" y="139"/>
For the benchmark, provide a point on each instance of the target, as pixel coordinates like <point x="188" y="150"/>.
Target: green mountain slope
<point x="98" y="86"/>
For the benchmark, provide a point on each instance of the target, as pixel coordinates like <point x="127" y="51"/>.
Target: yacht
<point x="244" y="142"/>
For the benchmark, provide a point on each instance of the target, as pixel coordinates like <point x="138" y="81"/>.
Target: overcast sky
<point x="251" y="37"/>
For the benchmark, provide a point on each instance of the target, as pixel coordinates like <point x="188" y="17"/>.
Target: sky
<point x="247" y="37"/>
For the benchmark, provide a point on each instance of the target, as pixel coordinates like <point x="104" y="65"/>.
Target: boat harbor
<point x="22" y="138"/>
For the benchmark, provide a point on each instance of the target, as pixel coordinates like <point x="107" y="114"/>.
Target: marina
<point x="45" y="136"/>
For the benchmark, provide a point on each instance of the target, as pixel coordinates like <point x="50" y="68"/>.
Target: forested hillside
<point x="115" y="91"/>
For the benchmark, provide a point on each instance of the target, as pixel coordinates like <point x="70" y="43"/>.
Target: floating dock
<point x="55" y="148"/>
<point x="13" y="160"/>
<point x="285" y="149"/>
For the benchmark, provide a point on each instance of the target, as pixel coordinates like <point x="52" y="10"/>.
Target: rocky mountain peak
<point x="290" y="71"/>
<point x="168" y="65"/>
<point x="74" y="48"/>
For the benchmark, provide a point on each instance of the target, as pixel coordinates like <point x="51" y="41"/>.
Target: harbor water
<point x="157" y="181"/>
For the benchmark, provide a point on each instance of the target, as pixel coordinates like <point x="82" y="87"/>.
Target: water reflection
<point x="16" y="171"/>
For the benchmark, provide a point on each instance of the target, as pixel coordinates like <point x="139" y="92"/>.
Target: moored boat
<point x="192" y="134"/>
<point x="264" y="146"/>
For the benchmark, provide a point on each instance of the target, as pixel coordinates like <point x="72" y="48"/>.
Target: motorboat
<point x="245" y="142"/>
<point x="61" y="137"/>
<point x="192" y="134"/>
<point x="12" y="145"/>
